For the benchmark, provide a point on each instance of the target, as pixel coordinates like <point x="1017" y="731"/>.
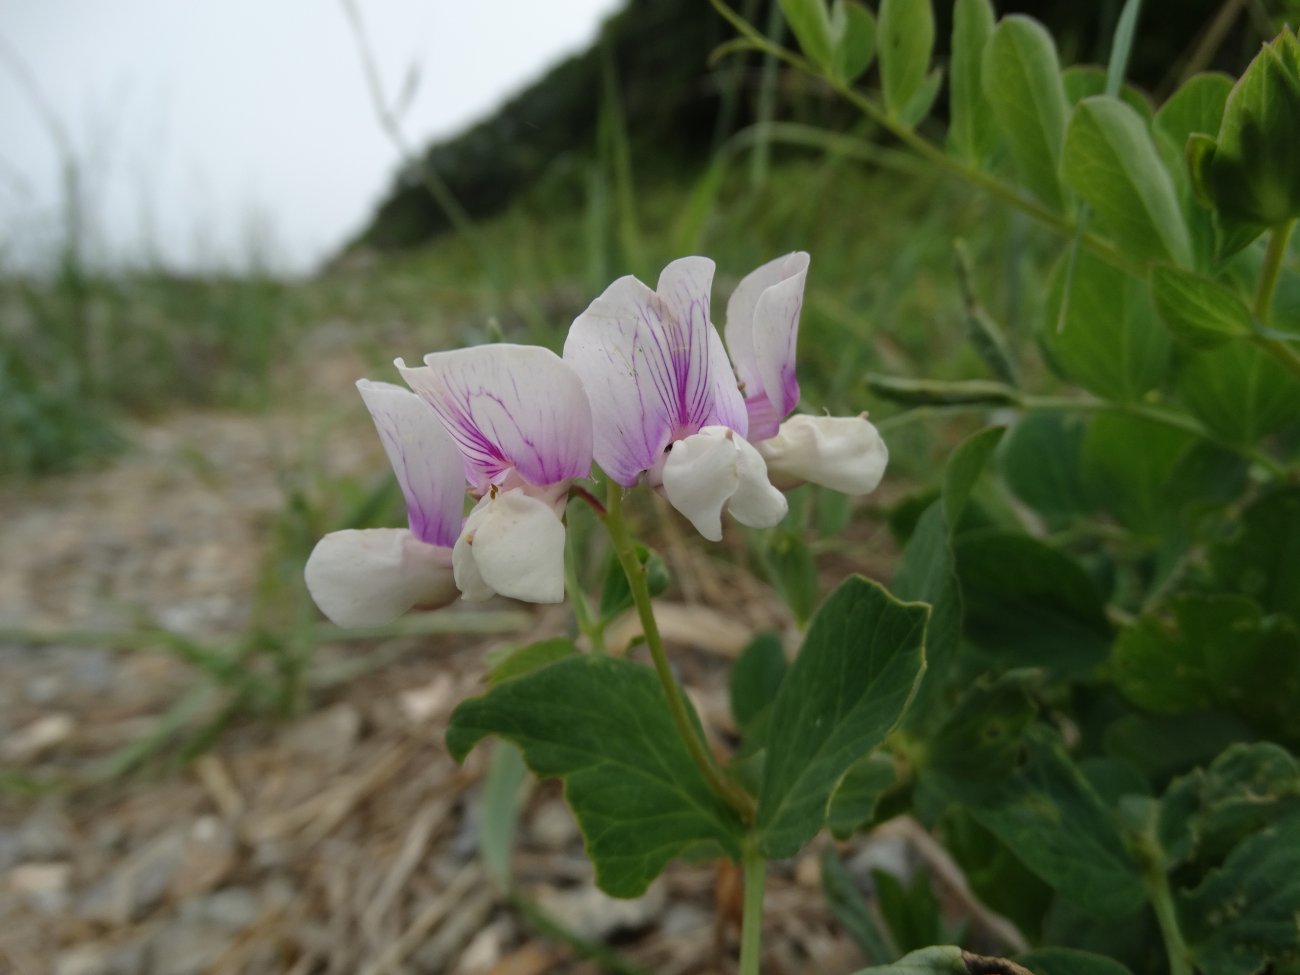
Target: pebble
<point x="137" y="883"/>
<point x="332" y="731"/>
<point x="231" y="909"/>
<point x="43" y="886"/>
<point x="591" y="913"/>
<point x="552" y="825"/>
<point x="184" y="948"/>
<point x="40" y="736"/>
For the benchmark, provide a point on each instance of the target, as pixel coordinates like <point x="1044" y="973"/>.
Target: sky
<point x="216" y="134"/>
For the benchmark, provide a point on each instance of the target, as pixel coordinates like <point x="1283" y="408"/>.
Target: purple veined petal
<point x="371" y="576"/>
<point x="654" y="367"/>
<point x="509" y="408"/>
<point x="762" y="335"/>
<point x="424" y="458"/>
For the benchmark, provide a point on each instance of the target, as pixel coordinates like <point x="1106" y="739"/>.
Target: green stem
<point x="625" y="551"/>
<point x="1272" y="268"/>
<point x="1162" y="902"/>
<point x="751" y="922"/>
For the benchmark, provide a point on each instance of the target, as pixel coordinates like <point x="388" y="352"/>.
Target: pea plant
<point x="1083" y="679"/>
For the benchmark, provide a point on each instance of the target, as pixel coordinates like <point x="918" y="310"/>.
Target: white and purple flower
<point x="522" y="425"/>
<point x="666" y="408"/>
<point x="367" y="577"/>
<point x="843" y="453"/>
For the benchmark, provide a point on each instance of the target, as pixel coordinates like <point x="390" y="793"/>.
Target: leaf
<point x="1129" y="466"/>
<point x="601" y="724"/>
<point x="790" y="566"/>
<point x="1030" y="604"/>
<point x="906" y="42"/>
<point x="1022" y="82"/>
<point x="518" y="661"/>
<point x="970" y="128"/>
<point x="985" y="335"/>
<point x="1068" y="961"/>
<point x="1082" y="81"/>
<point x="1200" y="312"/>
<point x="1241" y="920"/>
<point x="1206" y="813"/>
<point x="756" y="678"/>
<point x="1261" y="558"/>
<point x="1213" y="652"/>
<point x="847" y="689"/>
<point x="850" y="907"/>
<point x="1194" y="109"/>
<point x="945" y="960"/>
<point x="1240" y="392"/>
<point x="1109" y="341"/>
<point x="853" y="803"/>
<point x="500" y="819"/>
<point x="811" y="25"/>
<point x="964" y="468"/>
<point x="854" y="32"/>
<point x="1049" y="816"/>
<point x="1110" y="161"/>
<point x="1040" y="463"/>
<point x="911" y="912"/>
<point x="918" y="107"/>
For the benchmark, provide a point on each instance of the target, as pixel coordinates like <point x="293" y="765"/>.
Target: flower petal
<point x="517" y="547"/>
<point x="368" y="577"/>
<point x="700" y="476"/>
<point x="843" y="453"/>
<point x="424" y="458"/>
<point x="468" y="578"/>
<point x="654" y="367"/>
<point x="756" y="502"/>
<point x="509" y="407"/>
<point x="762" y="334"/>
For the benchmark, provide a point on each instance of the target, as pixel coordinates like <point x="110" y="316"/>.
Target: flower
<point x="366" y="577"/>
<point x="845" y="454"/>
<point x="666" y="408"/>
<point x="522" y="425"/>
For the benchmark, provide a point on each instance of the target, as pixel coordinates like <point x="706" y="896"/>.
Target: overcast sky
<point x="205" y="125"/>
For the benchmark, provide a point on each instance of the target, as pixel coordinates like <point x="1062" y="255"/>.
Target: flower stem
<point x="625" y="551"/>
<point x="751" y="921"/>
<point x="1272" y="268"/>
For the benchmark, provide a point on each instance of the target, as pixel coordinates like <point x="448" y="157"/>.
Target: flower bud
<point x="1251" y="173"/>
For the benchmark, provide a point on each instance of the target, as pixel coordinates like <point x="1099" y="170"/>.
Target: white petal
<point x="368" y="577"/>
<point x="654" y="367"/>
<point x="517" y="546"/>
<point x="843" y="453"/>
<point x="424" y="458"/>
<point x="509" y="407"/>
<point x="468" y="579"/>
<point x="700" y="476"/>
<point x="756" y="503"/>
<point x="763" y="330"/>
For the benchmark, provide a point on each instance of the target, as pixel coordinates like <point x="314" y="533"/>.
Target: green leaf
<point x="850" y="907"/>
<point x="500" y="819"/>
<point x="1030" y="604"/>
<point x="1213" y="652"/>
<point x="1206" y="813"/>
<point x="1194" y="109"/>
<point x="970" y="128"/>
<point x="1240" y="392"/>
<point x="911" y="913"/>
<point x="1040" y="463"/>
<point x="938" y="392"/>
<point x="906" y="42"/>
<point x="811" y="25"/>
<point x="1261" y="558"/>
<point x="615" y="596"/>
<point x="515" y="662"/>
<point x="1022" y="82"/>
<point x="945" y="960"/>
<point x="1110" y="161"/>
<point x="854" y="31"/>
<point x="756" y="678"/>
<point x="601" y="724"/>
<point x="847" y="689"/>
<point x="791" y="568"/>
<point x="1068" y="961"/>
<point x="964" y="468"/>
<point x="1051" y="818"/>
<point x="1109" y="341"/>
<point x="853" y="803"/>
<point x="1082" y="81"/>
<point x="985" y="335"/>
<point x="1129" y="468"/>
<point x="1200" y="312"/>
<point x="1166" y="745"/>
<point x="1241" y="920"/>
